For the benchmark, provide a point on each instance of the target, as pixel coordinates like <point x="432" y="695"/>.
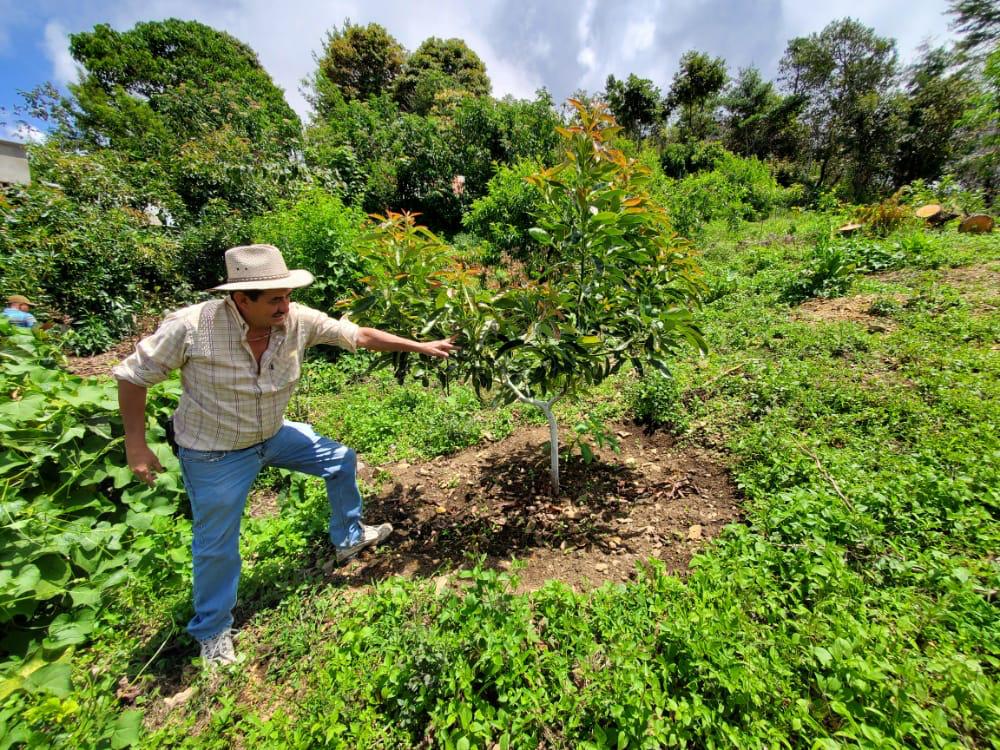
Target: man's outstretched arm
<point x="380" y="341"/>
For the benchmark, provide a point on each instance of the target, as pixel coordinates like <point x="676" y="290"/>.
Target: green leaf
<point x="28" y="408"/>
<point x="128" y="729"/>
<point x="540" y="236"/>
<point x="53" y="679"/>
<point x="27" y="579"/>
<point x="69" y="629"/>
<point x="823" y="656"/>
<point x="54" y="573"/>
<point x="84" y="597"/>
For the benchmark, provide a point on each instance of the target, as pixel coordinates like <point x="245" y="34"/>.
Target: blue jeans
<point x="218" y="483"/>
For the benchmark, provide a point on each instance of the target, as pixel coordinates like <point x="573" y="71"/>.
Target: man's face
<point x="269" y="309"/>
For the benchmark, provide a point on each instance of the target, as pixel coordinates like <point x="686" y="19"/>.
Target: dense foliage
<point x="75" y="527"/>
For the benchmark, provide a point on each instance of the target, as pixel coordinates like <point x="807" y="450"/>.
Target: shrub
<point x="736" y="189"/>
<point x="884" y="217"/>
<point x="679" y="160"/>
<point x="319" y="233"/>
<point x="947" y="191"/>
<point x="505" y="214"/>
<point x="828" y="273"/>
<point x="654" y="399"/>
<point x="100" y="265"/>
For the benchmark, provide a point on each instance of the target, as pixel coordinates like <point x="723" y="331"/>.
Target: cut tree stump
<point x="976" y="224"/>
<point x="935" y="214"/>
<point x="848" y="229"/>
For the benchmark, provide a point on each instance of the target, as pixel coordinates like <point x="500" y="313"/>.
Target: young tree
<point x="439" y="65"/>
<point x="615" y="286"/>
<point x="361" y="61"/>
<point x="636" y="104"/>
<point x="694" y="92"/>
<point x="846" y="74"/>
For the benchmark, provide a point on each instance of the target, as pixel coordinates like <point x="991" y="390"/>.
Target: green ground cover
<point x="855" y="606"/>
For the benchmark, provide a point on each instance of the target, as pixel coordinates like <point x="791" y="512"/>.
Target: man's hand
<point x="441" y="348"/>
<point x="143" y="463"/>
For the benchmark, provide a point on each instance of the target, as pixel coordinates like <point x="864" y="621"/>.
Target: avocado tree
<point x="608" y="285"/>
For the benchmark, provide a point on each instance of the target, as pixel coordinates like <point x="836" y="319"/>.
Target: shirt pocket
<point x="285" y="370"/>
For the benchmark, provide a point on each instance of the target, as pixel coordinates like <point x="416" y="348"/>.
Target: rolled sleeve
<point x="326" y="330"/>
<point x="156" y="356"/>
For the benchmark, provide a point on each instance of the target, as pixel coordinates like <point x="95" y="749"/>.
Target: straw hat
<point x="17" y="299"/>
<point x="260" y="267"/>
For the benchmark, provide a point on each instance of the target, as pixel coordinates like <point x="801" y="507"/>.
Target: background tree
<point x="170" y="119"/>
<point x="194" y="101"/>
<point x="846" y="74"/>
<point x="361" y="61"/>
<point x="758" y="121"/>
<point x="636" y="104"/>
<point x="436" y="66"/>
<point x="936" y="97"/>
<point x="978" y="162"/>
<point x="978" y="24"/>
<point x="190" y="110"/>
<point x="693" y="94"/>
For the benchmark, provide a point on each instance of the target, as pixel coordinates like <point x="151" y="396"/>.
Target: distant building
<point x="14" y="164"/>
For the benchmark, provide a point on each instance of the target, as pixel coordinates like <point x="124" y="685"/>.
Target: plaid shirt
<point x="227" y="402"/>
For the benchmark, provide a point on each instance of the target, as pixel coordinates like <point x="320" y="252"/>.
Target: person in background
<point x="240" y="358"/>
<point x="17" y="311"/>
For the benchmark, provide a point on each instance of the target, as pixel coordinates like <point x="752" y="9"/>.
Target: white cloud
<point x="639" y="36"/>
<point x="24" y="133"/>
<point x="57" y="50"/>
<point x="587" y="56"/>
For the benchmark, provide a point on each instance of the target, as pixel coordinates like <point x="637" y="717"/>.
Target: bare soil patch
<point x="101" y="364"/>
<point x="854" y="309"/>
<point x="654" y="499"/>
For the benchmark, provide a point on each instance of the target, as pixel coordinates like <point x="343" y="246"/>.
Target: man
<point x="240" y="358"/>
<point x="17" y="311"/>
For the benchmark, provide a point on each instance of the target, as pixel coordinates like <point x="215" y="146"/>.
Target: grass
<point x="856" y="607"/>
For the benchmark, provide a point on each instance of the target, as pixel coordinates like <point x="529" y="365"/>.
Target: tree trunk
<point x="935" y="214"/>
<point x="546" y="408"/>
<point x="976" y="224"/>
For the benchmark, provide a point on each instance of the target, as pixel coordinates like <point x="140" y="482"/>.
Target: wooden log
<point x="976" y="224"/>
<point x="848" y="229"/>
<point x="929" y="211"/>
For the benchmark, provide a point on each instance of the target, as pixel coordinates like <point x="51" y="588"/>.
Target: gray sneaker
<point x="370" y="536"/>
<point x="218" y="650"/>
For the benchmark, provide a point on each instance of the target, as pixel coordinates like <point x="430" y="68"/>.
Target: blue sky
<point x="563" y="45"/>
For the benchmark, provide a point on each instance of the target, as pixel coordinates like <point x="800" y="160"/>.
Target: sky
<point x="562" y="45"/>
